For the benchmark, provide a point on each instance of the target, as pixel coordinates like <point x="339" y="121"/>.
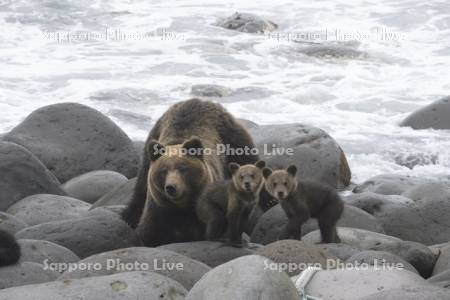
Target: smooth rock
<point x="22" y="174"/>
<point x="178" y="267"/>
<point x="245" y="22"/>
<point x="379" y="259"/>
<point x="341" y="251"/>
<point x="350" y="284"/>
<point x="43" y="208"/>
<point x="10" y="223"/>
<point x="420" y="214"/>
<point x="92" y="186"/>
<point x="124" y="286"/>
<point x="272" y="223"/>
<point x="23" y="274"/>
<point x="72" y="139"/>
<point x="389" y="184"/>
<point x="45" y="252"/>
<point x="99" y="231"/>
<point x="294" y="256"/>
<point x="418" y="255"/>
<point x="443" y="261"/>
<point x="244" y="278"/>
<point x="209" y="253"/>
<point x="316" y="154"/>
<point x="441" y="279"/>
<point x="119" y="196"/>
<point x="411" y="293"/>
<point x="434" y="115"/>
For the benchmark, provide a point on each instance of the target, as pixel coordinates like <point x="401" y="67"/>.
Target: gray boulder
<point x="23" y="274"/>
<point x="11" y="224"/>
<point x="210" y="253"/>
<point x="411" y="293"/>
<point x="441" y="279"/>
<point x="245" y="22"/>
<point x="389" y="184"/>
<point x="91" y="186"/>
<point x="341" y="251"/>
<point x="294" y="256"/>
<point x="418" y="255"/>
<point x="22" y="174"/>
<point x="272" y="223"/>
<point x="118" y="196"/>
<point x="443" y="262"/>
<point x="435" y="115"/>
<point x="316" y="154"/>
<point x="247" y="278"/>
<point x="178" y="267"/>
<point x="354" y="284"/>
<point x="43" y="208"/>
<point x="72" y="139"/>
<point x="99" y="231"/>
<point x="124" y="286"/>
<point x="44" y="252"/>
<point x="380" y="258"/>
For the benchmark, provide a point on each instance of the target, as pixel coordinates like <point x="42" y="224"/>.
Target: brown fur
<point x="302" y="200"/>
<point x="225" y="205"/>
<point x="169" y="183"/>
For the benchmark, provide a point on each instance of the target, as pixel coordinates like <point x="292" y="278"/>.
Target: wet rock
<point x="42" y="208"/>
<point x="11" y="224"/>
<point x="118" y="196"/>
<point x="97" y="232"/>
<point x="318" y="154"/>
<point x="245" y="22"/>
<point x="434" y="115"/>
<point x="178" y="267"/>
<point x="72" y="139"/>
<point x="389" y="184"/>
<point x="91" y="186"/>
<point x="22" y="174"/>
<point x="273" y="221"/>
<point x="23" y="274"/>
<point x="244" y="278"/>
<point x="126" y="286"/>
<point x="210" y="90"/>
<point x="44" y="252"/>
<point x="209" y="253"/>
<point x="294" y="256"/>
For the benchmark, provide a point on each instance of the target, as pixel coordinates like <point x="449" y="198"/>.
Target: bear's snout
<point x="171" y="190"/>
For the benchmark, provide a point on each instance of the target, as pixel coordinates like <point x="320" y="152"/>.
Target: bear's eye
<point x="242" y="176"/>
<point x="285" y="183"/>
<point x="182" y="169"/>
<point x="252" y="176"/>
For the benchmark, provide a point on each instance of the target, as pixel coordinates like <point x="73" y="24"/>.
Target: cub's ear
<point x="292" y="170"/>
<point x="260" y="164"/>
<point x="266" y="172"/>
<point x="154" y="150"/>
<point x="233" y="167"/>
<point x="194" y="147"/>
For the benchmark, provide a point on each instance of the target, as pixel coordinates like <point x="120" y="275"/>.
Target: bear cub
<point x="225" y="205"/>
<point x="303" y="199"/>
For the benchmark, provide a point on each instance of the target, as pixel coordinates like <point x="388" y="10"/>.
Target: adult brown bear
<point x="179" y="159"/>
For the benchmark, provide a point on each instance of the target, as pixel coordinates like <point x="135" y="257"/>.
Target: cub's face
<point x="247" y="178"/>
<point x="280" y="183"/>
<point x="177" y="173"/>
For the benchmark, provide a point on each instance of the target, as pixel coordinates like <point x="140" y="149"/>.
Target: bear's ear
<point x="266" y="172"/>
<point x="260" y="164"/>
<point x="194" y="147"/>
<point x="233" y="167"/>
<point x="292" y="170"/>
<point x="154" y="150"/>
